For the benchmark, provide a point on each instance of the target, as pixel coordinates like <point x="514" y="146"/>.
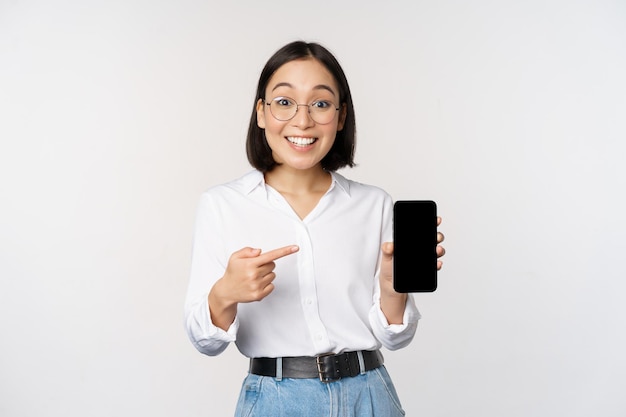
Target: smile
<point x="300" y="141"/>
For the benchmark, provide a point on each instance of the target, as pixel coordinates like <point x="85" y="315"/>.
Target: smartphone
<point x="415" y="246"/>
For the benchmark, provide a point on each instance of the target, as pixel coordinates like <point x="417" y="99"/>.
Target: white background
<point x="116" y="115"/>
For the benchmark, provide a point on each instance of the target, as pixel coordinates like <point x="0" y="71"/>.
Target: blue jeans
<point x="370" y="394"/>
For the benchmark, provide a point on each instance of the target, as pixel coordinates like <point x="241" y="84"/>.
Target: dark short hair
<point x="342" y="152"/>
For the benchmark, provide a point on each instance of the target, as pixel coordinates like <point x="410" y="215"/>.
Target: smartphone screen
<point x="415" y="246"/>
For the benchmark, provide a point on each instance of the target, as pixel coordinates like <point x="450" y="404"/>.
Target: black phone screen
<point x="415" y="246"/>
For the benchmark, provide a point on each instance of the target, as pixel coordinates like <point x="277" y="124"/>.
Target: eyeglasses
<point x="285" y="108"/>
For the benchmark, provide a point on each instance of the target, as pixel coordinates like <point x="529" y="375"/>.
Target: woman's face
<point x="300" y="143"/>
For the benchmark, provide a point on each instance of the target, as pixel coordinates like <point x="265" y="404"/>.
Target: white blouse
<point x="326" y="296"/>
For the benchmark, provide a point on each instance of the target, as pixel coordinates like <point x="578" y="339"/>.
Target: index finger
<point x="272" y="255"/>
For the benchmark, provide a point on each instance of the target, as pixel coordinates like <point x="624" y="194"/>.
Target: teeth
<point x="300" y="141"/>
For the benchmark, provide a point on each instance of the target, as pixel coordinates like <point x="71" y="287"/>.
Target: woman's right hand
<point x="248" y="277"/>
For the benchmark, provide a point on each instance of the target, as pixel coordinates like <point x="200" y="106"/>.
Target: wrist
<point x="222" y="310"/>
<point x="393" y="304"/>
<point x="393" y="296"/>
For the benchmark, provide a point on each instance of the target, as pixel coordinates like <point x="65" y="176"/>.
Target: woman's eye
<point x="283" y="102"/>
<point x="322" y="104"/>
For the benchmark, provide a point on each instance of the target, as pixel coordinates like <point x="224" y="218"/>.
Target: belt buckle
<point x="322" y="370"/>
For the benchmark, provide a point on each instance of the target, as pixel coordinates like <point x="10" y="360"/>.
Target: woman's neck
<point x="297" y="182"/>
<point x="302" y="189"/>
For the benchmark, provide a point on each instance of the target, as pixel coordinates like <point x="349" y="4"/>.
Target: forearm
<point x="222" y="311"/>
<point x="205" y="336"/>
<point x="394" y="336"/>
<point x="393" y="305"/>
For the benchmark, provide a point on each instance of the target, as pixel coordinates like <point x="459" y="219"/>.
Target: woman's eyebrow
<point x="317" y="87"/>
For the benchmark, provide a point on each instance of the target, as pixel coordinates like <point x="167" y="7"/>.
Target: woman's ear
<point x="260" y="113"/>
<point x="343" y="112"/>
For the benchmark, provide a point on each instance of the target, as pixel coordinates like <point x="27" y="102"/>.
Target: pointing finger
<point x="276" y="254"/>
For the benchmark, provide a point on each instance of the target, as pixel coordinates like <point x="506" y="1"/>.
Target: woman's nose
<point x="303" y="117"/>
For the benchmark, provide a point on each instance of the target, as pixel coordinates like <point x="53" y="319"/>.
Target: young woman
<point x="293" y="262"/>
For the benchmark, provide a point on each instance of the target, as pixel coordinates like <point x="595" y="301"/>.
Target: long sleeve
<point x="391" y="336"/>
<point x="394" y="336"/>
<point x="206" y="268"/>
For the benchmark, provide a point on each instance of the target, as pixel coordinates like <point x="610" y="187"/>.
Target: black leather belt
<point x="327" y="368"/>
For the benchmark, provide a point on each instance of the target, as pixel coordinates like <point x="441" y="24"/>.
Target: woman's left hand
<point x="440" y="249"/>
<point x="386" y="267"/>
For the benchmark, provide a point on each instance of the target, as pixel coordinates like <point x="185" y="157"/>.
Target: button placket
<point x="308" y="290"/>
